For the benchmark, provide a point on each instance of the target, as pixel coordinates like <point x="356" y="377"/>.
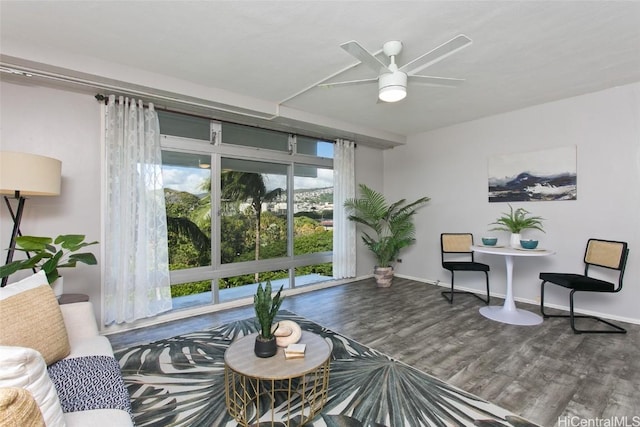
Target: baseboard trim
<point x="524" y="300"/>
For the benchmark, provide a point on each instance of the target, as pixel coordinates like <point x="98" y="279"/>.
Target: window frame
<point x="217" y="150"/>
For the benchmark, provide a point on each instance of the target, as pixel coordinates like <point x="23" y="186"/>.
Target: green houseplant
<point x="391" y="225"/>
<point x="266" y="307"/>
<point x="50" y="254"/>
<point x="515" y="222"/>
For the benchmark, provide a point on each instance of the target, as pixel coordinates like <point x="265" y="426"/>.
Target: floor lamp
<point x="23" y="175"/>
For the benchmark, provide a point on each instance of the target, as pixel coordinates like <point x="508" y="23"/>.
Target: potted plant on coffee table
<point x="515" y="222"/>
<point x="266" y="307"/>
<point x="392" y="226"/>
<point x="48" y="254"/>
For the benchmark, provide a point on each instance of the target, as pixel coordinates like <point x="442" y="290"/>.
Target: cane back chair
<point x="456" y="255"/>
<point x="599" y="254"/>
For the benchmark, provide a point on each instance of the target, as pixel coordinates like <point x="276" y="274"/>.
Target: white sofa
<point x="22" y="366"/>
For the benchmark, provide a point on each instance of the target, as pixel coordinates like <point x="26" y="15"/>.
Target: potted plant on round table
<point x="515" y="222"/>
<point x="392" y="224"/>
<point x="48" y="254"/>
<point x="266" y="308"/>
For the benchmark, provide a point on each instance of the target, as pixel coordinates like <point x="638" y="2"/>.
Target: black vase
<point x="265" y="347"/>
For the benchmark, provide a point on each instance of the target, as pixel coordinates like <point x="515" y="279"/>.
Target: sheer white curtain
<point x="344" y="231"/>
<point x="136" y="282"/>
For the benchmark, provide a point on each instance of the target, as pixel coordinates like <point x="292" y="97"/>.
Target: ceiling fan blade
<point x="436" y="55"/>
<point x="354" y="49"/>
<point x="349" y="83"/>
<point x="435" y="81"/>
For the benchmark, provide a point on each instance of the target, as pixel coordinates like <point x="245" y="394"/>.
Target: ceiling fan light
<point x="392" y="93"/>
<point x="392" y="87"/>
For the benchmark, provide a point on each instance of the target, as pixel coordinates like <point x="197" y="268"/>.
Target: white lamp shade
<point x="30" y="174"/>
<point x="392" y="87"/>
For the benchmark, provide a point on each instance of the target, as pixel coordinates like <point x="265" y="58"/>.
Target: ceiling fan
<point x="392" y="80"/>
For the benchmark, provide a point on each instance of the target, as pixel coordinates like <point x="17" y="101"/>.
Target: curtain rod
<point x="103" y="98"/>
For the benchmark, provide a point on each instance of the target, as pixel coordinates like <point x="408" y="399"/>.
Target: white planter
<point x="514" y="241"/>
<point x="57" y="287"/>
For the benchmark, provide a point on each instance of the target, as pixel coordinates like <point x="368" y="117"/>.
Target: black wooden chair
<point x="605" y="254"/>
<point x="457" y="256"/>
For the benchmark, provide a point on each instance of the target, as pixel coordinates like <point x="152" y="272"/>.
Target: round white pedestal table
<point x="508" y="312"/>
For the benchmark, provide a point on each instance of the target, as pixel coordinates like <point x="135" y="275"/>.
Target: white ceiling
<point x="523" y="52"/>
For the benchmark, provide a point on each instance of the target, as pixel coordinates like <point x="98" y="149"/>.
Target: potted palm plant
<point x="392" y="226"/>
<point x="266" y="308"/>
<point x="48" y="254"/>
<point x="515" y="222"/>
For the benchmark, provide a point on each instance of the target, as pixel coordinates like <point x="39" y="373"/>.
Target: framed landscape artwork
<point x="534" y="176"/>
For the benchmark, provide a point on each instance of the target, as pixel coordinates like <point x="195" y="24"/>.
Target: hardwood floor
<point x="544" y="373"/>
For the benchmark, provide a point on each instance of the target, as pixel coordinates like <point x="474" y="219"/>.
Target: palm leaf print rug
<point x="180" y="382"/>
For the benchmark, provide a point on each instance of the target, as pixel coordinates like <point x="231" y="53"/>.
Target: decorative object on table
<point x="456" y="255"/>
<point x="23" y="175"/>
<point x="392" y="224"/>
<point x="49" y="255"/>
<point x="599" y="256"/>
<point x="529" y="244"/>
<point x="266" y="307"/>
<point x="515" y="222"/>
<point x="294" y="351"/>
<point x="543" y="175"/>
<point x="286" y="332"/>
<point x="489" y="241"/>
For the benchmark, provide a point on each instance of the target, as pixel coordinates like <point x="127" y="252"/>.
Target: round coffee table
<point x="275" y="389"/>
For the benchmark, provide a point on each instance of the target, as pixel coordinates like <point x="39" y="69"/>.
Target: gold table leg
<point x="292" y="401"/>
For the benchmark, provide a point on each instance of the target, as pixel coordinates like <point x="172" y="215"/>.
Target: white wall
<point x="66" y="126"/>
<point x="450" y="166"/>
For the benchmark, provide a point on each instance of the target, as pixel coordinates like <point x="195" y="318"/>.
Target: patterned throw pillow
<point x="89" y="382"/>
<point x="30" y="317"/>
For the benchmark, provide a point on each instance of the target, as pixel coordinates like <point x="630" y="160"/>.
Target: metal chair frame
<point x="591" y="259"/>
<point x="464" y="249"/>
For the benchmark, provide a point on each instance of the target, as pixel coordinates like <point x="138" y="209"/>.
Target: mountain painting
<point x="534" y="176"/>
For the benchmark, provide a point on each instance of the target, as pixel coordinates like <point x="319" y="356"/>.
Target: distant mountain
<point x="305" y="190"/>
